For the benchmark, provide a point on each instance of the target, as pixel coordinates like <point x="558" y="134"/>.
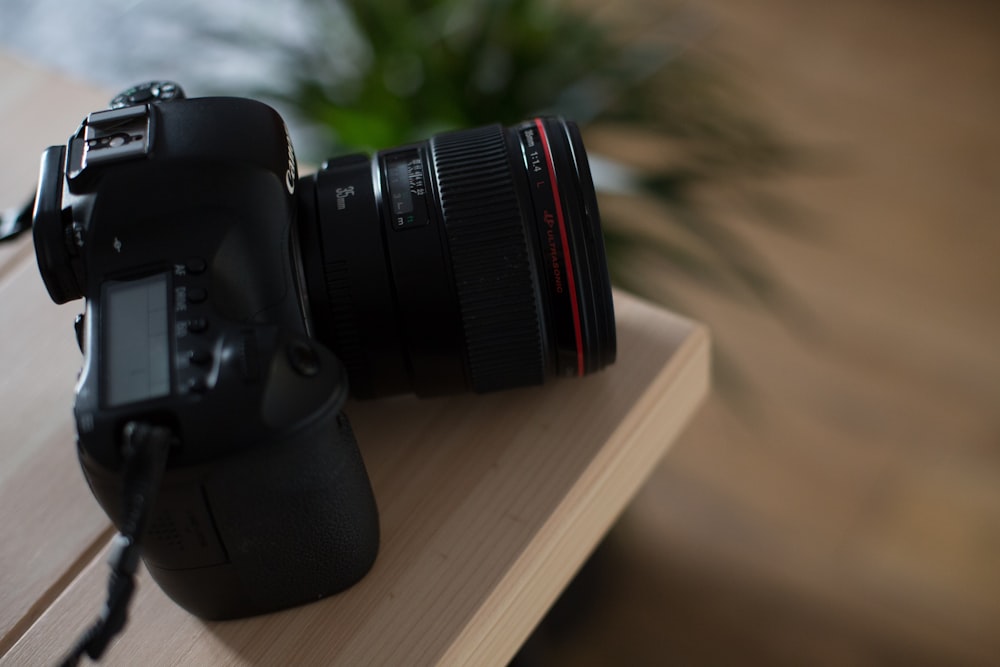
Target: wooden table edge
<point x="588" y="511"/>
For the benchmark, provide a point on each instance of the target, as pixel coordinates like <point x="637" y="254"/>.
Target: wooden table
<point x="488" y="504"/>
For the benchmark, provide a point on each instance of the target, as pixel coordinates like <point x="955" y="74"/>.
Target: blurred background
<point x="819" y="182"/>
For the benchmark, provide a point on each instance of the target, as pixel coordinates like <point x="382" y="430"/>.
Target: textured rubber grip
<point x="271" y="527"/>
<point x="489" y="253"/>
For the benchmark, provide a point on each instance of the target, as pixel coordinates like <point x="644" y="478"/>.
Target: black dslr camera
<point x="231" y="304"/>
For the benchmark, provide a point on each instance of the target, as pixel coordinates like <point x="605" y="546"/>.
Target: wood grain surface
<point x="47" y="515"/>
<point x="488" y="504"/>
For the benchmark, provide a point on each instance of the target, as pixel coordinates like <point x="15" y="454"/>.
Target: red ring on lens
<point x="561" y="220"/>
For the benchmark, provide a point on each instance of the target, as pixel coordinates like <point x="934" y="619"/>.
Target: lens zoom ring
<point x="489" y="256"/>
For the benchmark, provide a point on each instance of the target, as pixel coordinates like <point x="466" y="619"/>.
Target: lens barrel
<point x="471" y="261"/>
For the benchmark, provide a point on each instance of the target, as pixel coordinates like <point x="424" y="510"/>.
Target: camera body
<point x="230" y="303"/>
<point x="176" y="221"/>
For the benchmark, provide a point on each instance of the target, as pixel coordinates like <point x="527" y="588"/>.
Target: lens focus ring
<point x="489" y="254"/>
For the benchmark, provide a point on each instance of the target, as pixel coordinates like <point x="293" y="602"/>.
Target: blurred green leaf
<point x="378" y="74"/>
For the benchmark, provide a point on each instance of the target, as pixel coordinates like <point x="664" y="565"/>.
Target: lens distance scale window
<point x="406" y="188"/>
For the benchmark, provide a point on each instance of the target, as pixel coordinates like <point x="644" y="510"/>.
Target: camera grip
<point x="275" y="526"/>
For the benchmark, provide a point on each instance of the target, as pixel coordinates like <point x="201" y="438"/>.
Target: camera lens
<point x="471" y="261"/>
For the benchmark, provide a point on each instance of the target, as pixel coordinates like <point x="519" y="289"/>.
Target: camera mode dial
<point x="151" y="91"/>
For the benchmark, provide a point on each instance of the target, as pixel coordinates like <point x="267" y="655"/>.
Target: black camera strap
<point x="15" y="221"/>
<point x="145" y="450"/>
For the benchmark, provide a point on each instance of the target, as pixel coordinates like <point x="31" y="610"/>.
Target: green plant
<point x="376" y="74"/>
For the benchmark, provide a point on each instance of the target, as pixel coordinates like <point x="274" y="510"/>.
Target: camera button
<point x="200" y="357"/>
<point x="196" y="294"/>
<point x="197" y="325"/>
<point x="197" y="386"/>
<point x="196" y="265"/>
<point x="303" y="358"/>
